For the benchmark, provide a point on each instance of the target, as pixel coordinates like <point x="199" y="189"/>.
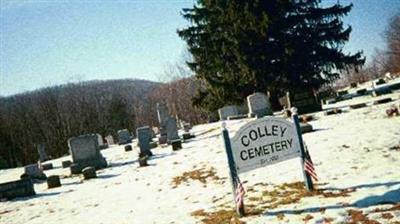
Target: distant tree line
<point x="383" y="60"/>
<point x="52" y="115"/>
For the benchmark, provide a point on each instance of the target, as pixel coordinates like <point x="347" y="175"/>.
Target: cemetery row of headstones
<point x="258" y="105"/>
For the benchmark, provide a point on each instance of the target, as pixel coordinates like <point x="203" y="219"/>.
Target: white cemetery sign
<point x="263" y="142"/>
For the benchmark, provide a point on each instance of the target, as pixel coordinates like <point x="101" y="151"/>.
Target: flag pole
<point x="232" y="170"/>
<point x="307" y="178"/>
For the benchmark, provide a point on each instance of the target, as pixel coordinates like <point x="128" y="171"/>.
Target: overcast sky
<point x="45" y="43"/>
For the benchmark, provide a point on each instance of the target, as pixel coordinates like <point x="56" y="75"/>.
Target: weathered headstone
<point x="259" y="105"/>
<point x="358" y="105"/>
<point x="305" y="101"/>
<point x="66" y="163"/>
<point x="227" y="111"/>
<point x="176" y="144"/>
<point x="163" y="116"/>
<point x="47" y="166"/>
<point x="34" y="171"/>
<point x="42" y="153"/>
<point x="19" y="188"/>
<point x="89" y="173"/>
<point x="110" y="140"/>
<point x="172" y="129"/>
<point x="124" y="137"/>
<point x="143" y="161"/>
<point x="362" y="92"/>
<point x="144" y="138"/>
<point x="382" y="101"/>
<point x="53" y="181"/>
<point x="85" y="151"/>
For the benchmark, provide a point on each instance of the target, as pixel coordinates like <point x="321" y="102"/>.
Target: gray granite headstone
<point x="144" y="137"/>
<point x="42" y="153"/>
<point x="34" y="171"/>
<point x="172" y="129"/>
<point x="124" y="137"/>
<point x="259" y="105"/>
<point x="85" y="151"/>
<point x="227" y="111"/>
<point x="163" y="116"/>
<point x="19" y="188"/>
<point x="305" y="101"/>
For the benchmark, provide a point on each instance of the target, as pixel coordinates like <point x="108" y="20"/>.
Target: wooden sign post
<point x="307" y="179"/>
<point x="232" y="168"/>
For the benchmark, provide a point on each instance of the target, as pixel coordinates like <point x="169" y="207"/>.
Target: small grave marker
<point x="227" y="111"/>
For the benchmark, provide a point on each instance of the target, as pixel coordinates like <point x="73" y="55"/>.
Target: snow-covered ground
<point x="356" y="155"/>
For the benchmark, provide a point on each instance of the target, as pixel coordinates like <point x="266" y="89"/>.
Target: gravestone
<point x="163" y="116"/>
<point x="66" y="163"/>
<point x="382" y="101"/>
<point x="227" y="111"/>
<point x="34" y="171"/>
<point x="305" y="101"/>
<point x="85" y="152"/>
<point x="357" y="106"/>
<point x="53" y="181"/>
<point x="19" y="188"/>
<point x="42" y="153"/>
<point x="124" y="137"/>
<point x="259" y="105"/>
<point x="47" y="166"/>
<point x="110" y="140"/>
<point x="89" y="173"/>
<point x="144" y="138"/>
<point x="172" y="130"/>
<point x="362" y="92"/>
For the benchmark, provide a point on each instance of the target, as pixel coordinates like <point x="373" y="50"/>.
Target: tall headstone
<point x="259" y="105"/>
<point x="163" y="116"/>
<point x="85" y="151"/>
<point x="172" y="129"/>
<point x="42" y="153"/>
<point x="305" y="101"/>
<point x="227" y="111"/>
<point x="124" y="137"/>
<point x="144" y="137"/>
<point x="110" y="140"/>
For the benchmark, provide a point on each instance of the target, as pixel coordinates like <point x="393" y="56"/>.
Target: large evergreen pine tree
<point x="240" y="47"/>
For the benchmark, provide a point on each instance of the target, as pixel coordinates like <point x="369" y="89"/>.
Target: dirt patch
<point x="357" y="216"/>
<point x="202" y="175"/>
<point x="259" y="199"/>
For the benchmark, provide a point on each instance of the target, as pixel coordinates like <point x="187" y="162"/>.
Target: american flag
<point x="309" y="166"/>
<point x="239" y="194"/>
